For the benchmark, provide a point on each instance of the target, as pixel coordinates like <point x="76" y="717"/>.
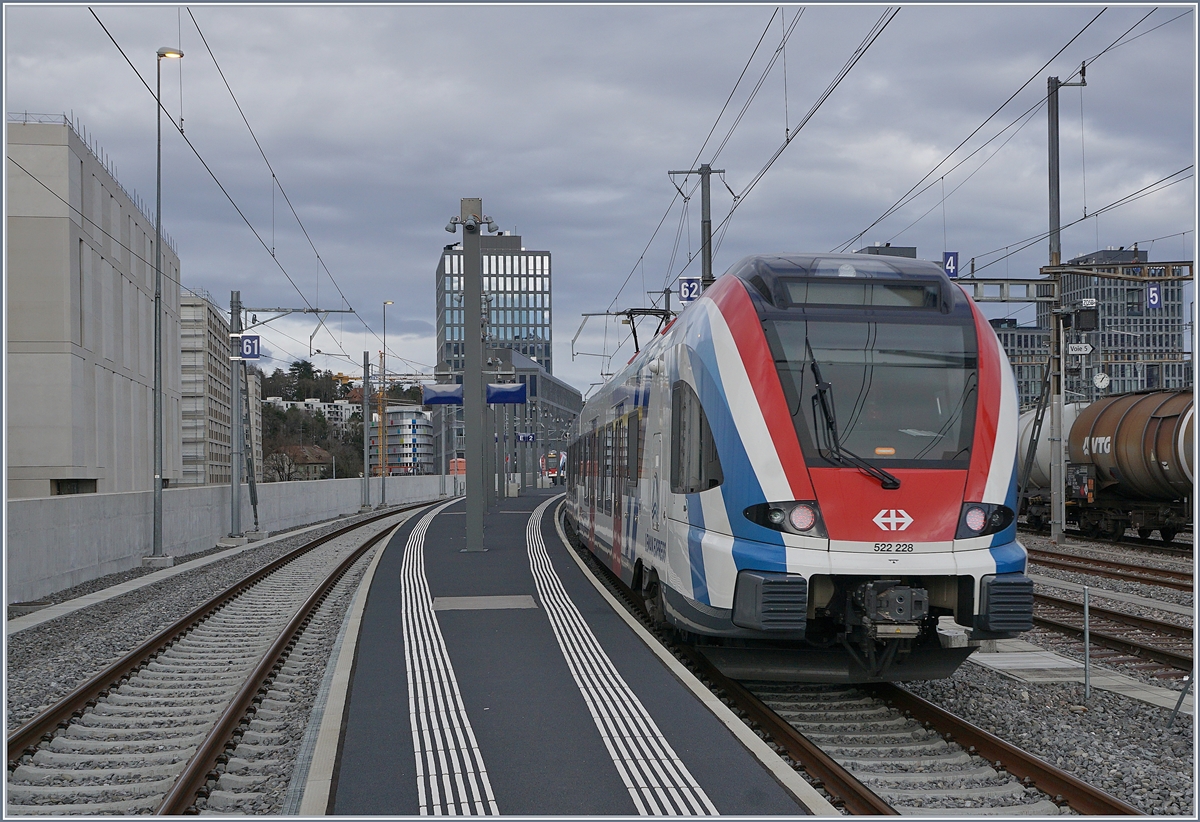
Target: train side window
<point x="695" y="465"/>
<point x="633" y="448"/>
<point x="607" y="481"/>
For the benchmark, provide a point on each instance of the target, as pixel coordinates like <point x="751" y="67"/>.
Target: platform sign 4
<point x="689" y="289"/>
<point x="1154" y="295"/>
<point x="246" y="346"/>
<point x="950" y="263"/>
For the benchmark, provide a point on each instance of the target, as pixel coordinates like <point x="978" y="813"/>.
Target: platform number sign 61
<point x="689" y="289"/>
<point x="950" y="263"/>
<point x="250" y="347"/>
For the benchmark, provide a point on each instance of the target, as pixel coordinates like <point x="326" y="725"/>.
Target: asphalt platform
<point x="503" y="682"/>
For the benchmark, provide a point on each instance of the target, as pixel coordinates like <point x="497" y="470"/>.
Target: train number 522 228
<point x="894" y="547"/>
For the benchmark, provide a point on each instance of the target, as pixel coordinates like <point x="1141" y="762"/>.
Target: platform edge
<point x="806" y="794"/>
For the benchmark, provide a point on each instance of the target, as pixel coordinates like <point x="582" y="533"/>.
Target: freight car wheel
<point x="1167" y="534"/>
<point x="1144" y="533"/>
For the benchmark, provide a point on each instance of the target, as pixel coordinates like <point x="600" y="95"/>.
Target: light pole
<point x="165" y="51"/>
<point x="470" y="217"/>
<point x="383" y="460"/>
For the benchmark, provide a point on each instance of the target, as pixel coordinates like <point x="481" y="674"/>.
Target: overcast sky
<point x="566" y="119"/>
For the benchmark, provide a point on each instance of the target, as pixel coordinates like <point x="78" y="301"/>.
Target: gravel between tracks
<point x="46" y="661"/>
<point x="1117" y="744"/>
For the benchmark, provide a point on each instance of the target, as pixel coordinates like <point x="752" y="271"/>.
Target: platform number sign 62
<point x="689" y="289"/>
<point x="950" y="263"/>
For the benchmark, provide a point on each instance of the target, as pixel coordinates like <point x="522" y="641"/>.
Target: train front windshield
<point x="898" y="394"/>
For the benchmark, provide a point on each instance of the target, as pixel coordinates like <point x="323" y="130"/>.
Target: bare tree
<point x="280" y="467"/>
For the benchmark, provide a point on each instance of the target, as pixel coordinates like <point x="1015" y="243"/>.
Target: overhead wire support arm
<point x="705" y="171"/>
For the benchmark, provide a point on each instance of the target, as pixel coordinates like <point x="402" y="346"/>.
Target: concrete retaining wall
<point x="58" y="542"/>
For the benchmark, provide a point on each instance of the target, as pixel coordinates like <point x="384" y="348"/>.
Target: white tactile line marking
<point x="658" y="782"/>
<point x="451" y="777"/>
<point x="806" y="794"/>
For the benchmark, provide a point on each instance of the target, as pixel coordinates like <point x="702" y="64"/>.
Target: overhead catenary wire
<point x="711" y="131"/>
<point x="872" y="35"/>
<point x="912" y="193"/>
<point x="221" y="186"/>
<point x="1153" y="188"/>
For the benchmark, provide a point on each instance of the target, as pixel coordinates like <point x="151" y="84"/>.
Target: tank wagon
<point x="809" y="468"/>
<point x="1129" y="465"/>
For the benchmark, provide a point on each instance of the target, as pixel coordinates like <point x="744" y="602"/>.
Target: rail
<point x="1057" y="783"/>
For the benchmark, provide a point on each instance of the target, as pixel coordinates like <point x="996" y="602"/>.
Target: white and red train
<point x="806" y="470"/>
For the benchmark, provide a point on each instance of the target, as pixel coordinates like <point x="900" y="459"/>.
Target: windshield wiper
<point x="823" y="401"/>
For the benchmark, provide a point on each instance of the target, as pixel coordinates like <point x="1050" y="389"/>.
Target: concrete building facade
<point x="80" y="323"/>
<point x="206" y="372"/>
<point x="409" y="442"/>
<point x="204" y="336"/>
<point x="1028" y="350"/>
<point x="1139" y="343"/>
<point x="336" y="413"/>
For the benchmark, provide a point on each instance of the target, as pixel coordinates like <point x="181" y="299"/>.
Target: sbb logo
<point x="893" y="519"/>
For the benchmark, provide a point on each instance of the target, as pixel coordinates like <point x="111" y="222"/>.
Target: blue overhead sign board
<point x="1154" y="295"/>
<point x="526" y="437"/>
<point x="244" y="347"/>
<point x="950" y="263"/>
<point x="506" y="392"/>
<point x="689" y="289"/>
<point x="441" y="394"/>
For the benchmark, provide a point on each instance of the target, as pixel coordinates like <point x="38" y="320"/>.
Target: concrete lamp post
<point x="172" y="53"/>
<point x="472" y="218"/>
<point x="383" y="459"/>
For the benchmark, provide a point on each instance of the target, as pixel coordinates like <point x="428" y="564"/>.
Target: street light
<point x="165" y="51"/>
<point x="383" y="460"/>
<point x="469" y="217"/>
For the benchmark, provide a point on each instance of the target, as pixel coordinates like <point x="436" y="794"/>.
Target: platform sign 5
<point x="245" y="346"/>
<point x="1154" y="295"/>
<point x="689" y="289"/>
<point x="950" y="263"/>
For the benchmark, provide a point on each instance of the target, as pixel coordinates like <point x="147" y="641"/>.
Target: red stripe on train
<point x="987" y="412"/>
<point x="729" y="293"/>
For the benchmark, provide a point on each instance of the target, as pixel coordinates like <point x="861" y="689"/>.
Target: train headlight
<point x="976" y="518"/>
<point x="979" y="519"/>
<point x="792" y="517"/>
<point x="802" y="517"/>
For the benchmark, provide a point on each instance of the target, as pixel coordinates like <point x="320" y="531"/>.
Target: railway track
<point x="1160" y="648"/>
<point x="879" y="750"/>
<point x="1177" y="580"/>
<point x="153" y="731"/>
<point x="1180" y="547"/>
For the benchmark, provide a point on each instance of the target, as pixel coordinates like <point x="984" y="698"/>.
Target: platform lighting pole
<point x="470" y="217"/>
<point x="383" y="459"/>
<point x="157" y="549"/>
<point x="366" y="423"/>
<point x="236" y="434"/>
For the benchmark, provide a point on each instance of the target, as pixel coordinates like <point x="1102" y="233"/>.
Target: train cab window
<point x="903" y="394"/>
<point x="695" y="465"/>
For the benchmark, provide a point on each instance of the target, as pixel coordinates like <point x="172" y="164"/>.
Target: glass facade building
<point x="1140" y="342"/>
<point x="516" y="297"/>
